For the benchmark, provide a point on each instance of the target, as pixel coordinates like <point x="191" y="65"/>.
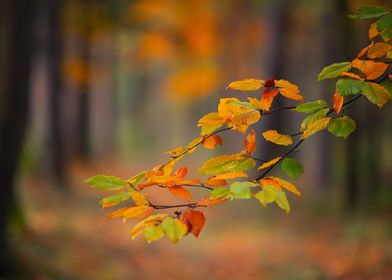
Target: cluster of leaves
<point x="368" y="74"/>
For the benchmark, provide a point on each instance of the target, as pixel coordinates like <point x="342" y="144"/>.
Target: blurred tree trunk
<point x="16" y="39"/>
<point x="55" y="36"/>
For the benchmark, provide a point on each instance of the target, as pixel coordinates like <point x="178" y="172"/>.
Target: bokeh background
<point x="107" y="86"/>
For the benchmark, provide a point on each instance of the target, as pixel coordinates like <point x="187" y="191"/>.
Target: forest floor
<point x="70" y="238"/>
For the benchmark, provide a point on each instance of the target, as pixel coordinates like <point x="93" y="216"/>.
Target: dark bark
<point x="15" y="55"/>
<point x="57" y="154"/>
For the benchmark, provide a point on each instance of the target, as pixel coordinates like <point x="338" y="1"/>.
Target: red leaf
<point x="269" y="83"/>
<point x="195" y="221"/>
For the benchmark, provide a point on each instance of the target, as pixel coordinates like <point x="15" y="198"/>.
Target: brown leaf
<point x="250" y="142"/>
<point x="195" y="221"/>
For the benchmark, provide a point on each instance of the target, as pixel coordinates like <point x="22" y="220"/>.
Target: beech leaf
<point x="292" y="168"/>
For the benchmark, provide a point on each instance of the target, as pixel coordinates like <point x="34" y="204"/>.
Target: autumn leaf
<point x="131" y="212"/>
<point x="227" y="163"/>
<point x="337" y="102"/>
<point x="269" y="181"/>
<point x="215" y="183"/>
<point x="269" y="163"/>
<point x="378" y="50"/>
<point x="313" y="117"/>
<point x="352" y="75"/>
<point x="287" y="185"/>
<point x="139" y="198"/>
<point x="376" y="94"/>
<point x="277" y="138"/>
<point x="115" y="199"/>
<point x="365" y="50"/>
<point x="153" y="233"/>
<point x="195" y="221"/>
<point x="219" y="193"/>
<point x="206" y="201"/>
<point x="210" y="142"/>
<point x="256" y="103"/>
<point x="246" y="85"/>
<point x="267" y="98"/>
<point x="135" y="180"/>
<point x="181" y="173"/>
<point x="241" y="190"/>
<point x="288" y="90"/>
<point x="370" y="68"/>
<point x="174" y="229"/>
<point x="270" y="194"/>
<point x="314" y="127"/>
<point x="373" y="32"/>
<point x="230" y="175"/>
<point x="180" y="192"/>
<point x="211" y="119"/>
<point x="250" y="142"/>
<point x="152" y="220"/>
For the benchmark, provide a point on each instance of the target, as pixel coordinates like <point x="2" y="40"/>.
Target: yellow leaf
<point x="370" y="68"/>
<point x="193" y="145"/>
<point x="131" y="212"/>
<point x="211" y="119"/>
<point x="250" y="142"/>
<point x="255" y="102"/>
<point x="277" y="138"/>
<point x="229" y="175"/>
<point x="378" y="50"/>
<point x="247" y="84"/>
<point x="315" y="126"/>
<point x="139" y="198"/>
<point x="153" y="220"/>
<point x="212" y="141"/>
<point x="287" y="185"/>
<point x="288" y="90"/>
<point x="269" y="163"/>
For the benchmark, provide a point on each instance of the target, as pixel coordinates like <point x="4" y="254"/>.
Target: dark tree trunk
<point x="16" y="33"/>
<point x="57" y="154"/>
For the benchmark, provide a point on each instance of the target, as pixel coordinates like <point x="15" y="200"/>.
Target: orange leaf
<point x="212" y="141"/>
<point x="365" y="50"/>
<point x="288" y="90"/>
<point x="250" y="142"/>
<point x="181" y="192"/>
<point x="215" y="183"/>
<point x="181" y="173"/>
<point x="373" y="32"/>
<point x="370" y="68"/>
<point x="287" y="185"/>
<point x="269" y="163"/>
<point x="268" y="98"/>
<point x="229" y="175"/>
<point x="131" y="212"/>
<point x="378" y="50"/>
<point x="269" y="181"/>
<point x="277" y="138"/>
<point x="207" y="201"/>
<point x="195" y="221"/>
<point x="210" y="119"/>
<point x="337" y="102"/>
<point x="352" y="75"/>
<point x="139" y="198"/>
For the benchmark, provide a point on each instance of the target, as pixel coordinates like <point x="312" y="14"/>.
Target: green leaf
<point x="367" y="12"/>
<point x="376" y="94"/>
<point x="349" y="86"/>
<point x="388" y="86"/>
<point x="384" y="26"/>
<point x="135" y="180"/>
<point x="292" y="168"/>
<point x="314" y="117"/>
<point x="334" y="70"/>
<point x="107" y="183"/>
<point x="174" y="229"/>
<point x="270" y="194"/>
<point x="342" y="127"/>
<point x="153" y="233"/>
<point x="219" y="193"/>
<point x="241" y="190"/>
<point x="311" y="107"/>
<point x="115" y="199"/>
<point x="227" y="163"/>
